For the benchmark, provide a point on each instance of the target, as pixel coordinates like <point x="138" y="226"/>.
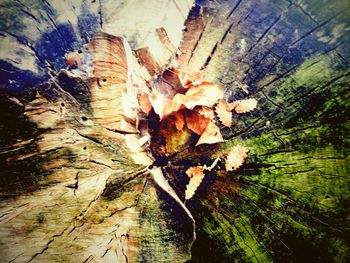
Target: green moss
<point x="294" y="190"/>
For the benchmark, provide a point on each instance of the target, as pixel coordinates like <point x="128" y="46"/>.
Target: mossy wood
<point x="72" y="190"/>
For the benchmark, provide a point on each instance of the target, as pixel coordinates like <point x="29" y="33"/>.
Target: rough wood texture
<point x="74" y="190"/>
<point x="75" y="184"/>
<point x="290" y="202"/>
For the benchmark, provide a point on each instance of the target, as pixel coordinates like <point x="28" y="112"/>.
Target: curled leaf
<point x="235" y="157"/>
<point x="206" y="112"/>
<point x="210" y="135"/>
<point x="175" y="104"/>
<point x="179" y="120"/>
<point x="196" y="175"/>
<point x="188" y="78"/>
<point x="196" y="122"/>
<point x="224" y="113"/>
<point x="206" y="94"/>
<point x="243" y="106"/>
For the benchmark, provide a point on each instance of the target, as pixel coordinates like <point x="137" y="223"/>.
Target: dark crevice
<point x="206" y="63"/>
<point x="234" y="9"/>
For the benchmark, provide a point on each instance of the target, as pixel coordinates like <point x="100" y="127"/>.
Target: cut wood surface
<point x="87" y="174"/>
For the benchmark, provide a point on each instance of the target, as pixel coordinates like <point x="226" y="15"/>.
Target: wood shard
<point x="144" y="102"/>
<point x="165" y="40"/>
<point x="110" y="78"/>
<point x="146" y="59"/>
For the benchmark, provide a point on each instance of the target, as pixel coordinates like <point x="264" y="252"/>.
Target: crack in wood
<point x="206" y="63"/>
<point x="297" y="204"/>
<point x="234" y="9"/>
<point x="318" y="26"/>
<point x="100" y="13"/>
<point x="226" y="33"/>
<point x="47" y="245"/>
<point x="232" y="223"/>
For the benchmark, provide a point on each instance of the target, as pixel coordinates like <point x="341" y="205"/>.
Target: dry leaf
<point x="196" y="122"/>
<point x="188" y="78"/>
<point x="236" y="157"/>
<point x="169" y="84"/>
<point x="196" y="175"/>
<point x="210" y="135"/>
<point x="211" y="167"/>
<point x="179" y="120"/>
<point x="174" y="105"/>
<point x="144" y="102"/>
<point x="206" y="112"/>
<point x="224" y="113"/>
<point x="206" y="94"/>
<point x="243" y="106"/>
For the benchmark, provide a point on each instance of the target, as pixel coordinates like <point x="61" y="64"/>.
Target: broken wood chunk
<point x="146" y="59"/>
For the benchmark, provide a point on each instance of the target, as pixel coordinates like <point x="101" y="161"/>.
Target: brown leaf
<point x="206" y="112"/>
<point x="196" y="122"/>
<point x="175" y="104"/>
<point x="224" y="113"/>
<point x="243" y="106"/>
<point x="169" y="84"/>
<point x="179" y="120"/>
<point x="144" y="102"/>
<point x="196" y="175"/>
<point x="235" y="157"/>
<point x="205" y="94"/>
<point x="188" y="78"/>
<point x="210" y="135"/>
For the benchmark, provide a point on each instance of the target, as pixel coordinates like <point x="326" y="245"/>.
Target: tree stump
<point x="82" y="181"/>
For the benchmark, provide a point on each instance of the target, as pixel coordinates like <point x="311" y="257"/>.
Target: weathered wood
<point x="290" y="201"/>
<point x="74" y="186"/>
<point x="75" y="183"/>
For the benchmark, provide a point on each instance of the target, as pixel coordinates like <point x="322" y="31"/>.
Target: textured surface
<point x="75" y="186"/>
<point x="71" y="190"/>
<point x="290" y="202"/>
